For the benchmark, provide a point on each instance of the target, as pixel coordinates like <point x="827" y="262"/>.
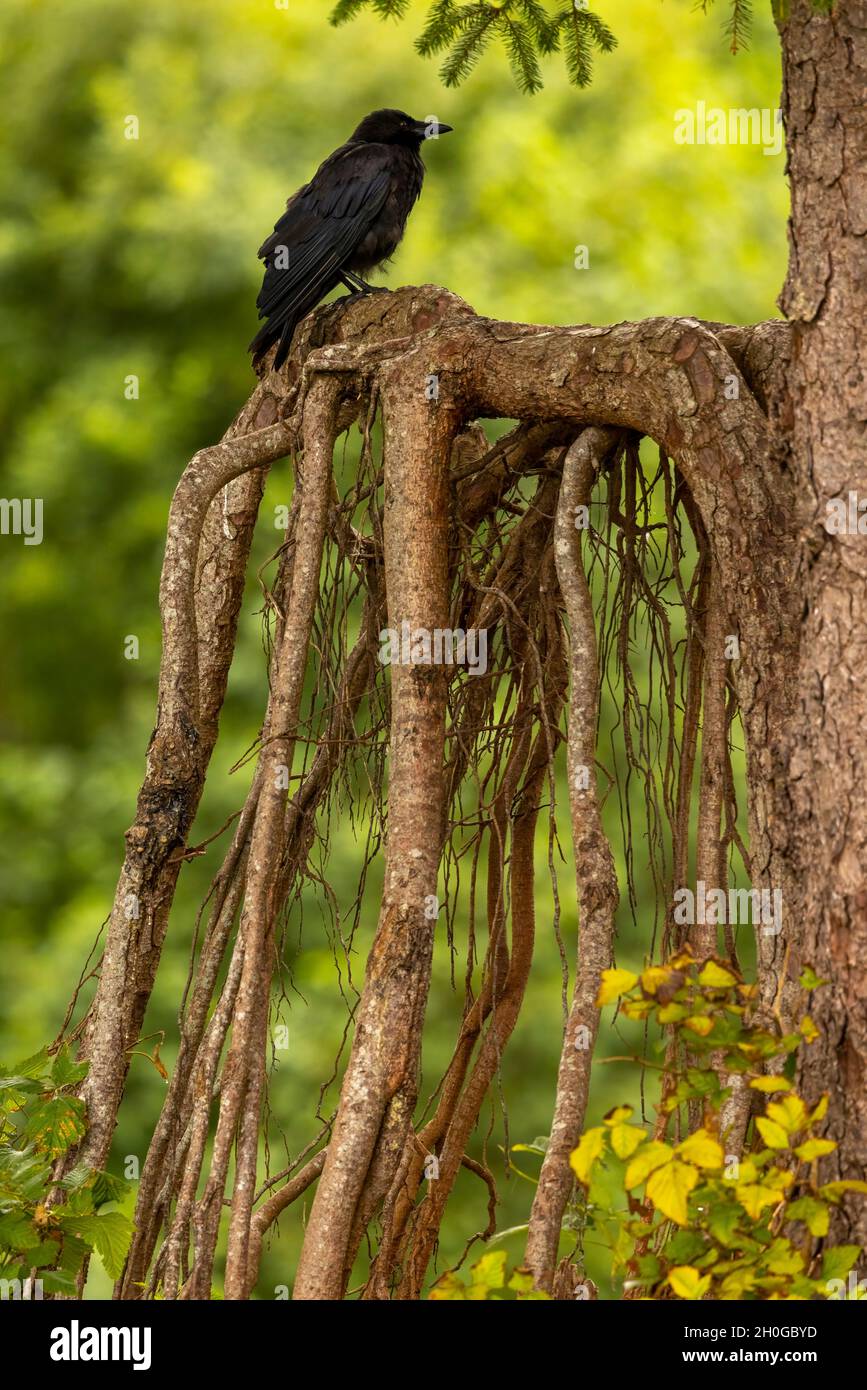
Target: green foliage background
<point x="123" y="257"/>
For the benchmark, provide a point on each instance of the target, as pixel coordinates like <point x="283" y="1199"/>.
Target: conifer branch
<point x="529" y="30"/>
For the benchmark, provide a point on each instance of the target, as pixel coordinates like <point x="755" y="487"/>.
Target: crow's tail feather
<point x="271" y="332"/>
<point x="263" y="340"/>
<point x="285" y="339"/>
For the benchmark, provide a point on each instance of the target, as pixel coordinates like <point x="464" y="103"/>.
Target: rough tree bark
<point x="820" y="437"/>
<point x="380" y="1085"/>
<point x="595" y="872"/>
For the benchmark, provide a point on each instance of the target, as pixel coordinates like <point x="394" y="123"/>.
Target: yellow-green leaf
<point x="812" y="1212"/>
<point x="770" y="1084"/>
<point x="736" y="1285"/>
<point x="808" y="1029"/>
<point x="837" y="1260"/>
<point x="490" y="1270"/>
<point x="653" y="1155"/>
<point x="450" y="1286"/>
<point x="790" y="1112"/>
<point x="521" y="1281"/>
<point x="815" y="1148"/>
<point x="618" y="1115"/>
<point x="835" y="1190"/>
<point x="700" y="1024"/>
<point x="637" y="1008"/>
<point x="779" y="1178"/>
<point x="625" y="1139"/>
<point x="808" y="978"/>
<point x="820" y="1111"/>
<point x="715" y="976"/>
<point x="653" y="977"/>
<point x="591" y="1145"/>
<point x="683" y="960"/>
<point x="781" y="1257"/>
<point x="773" y="1134"/>
<point x="754" y="1197"/>
<point x="702" y="1149"/>
<point x="614" y="983"/>
<point x="668" y="1188"/>
<point x="687" y="1282"/>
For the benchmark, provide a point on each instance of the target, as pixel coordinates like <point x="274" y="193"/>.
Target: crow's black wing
<point x="321" y="227"/>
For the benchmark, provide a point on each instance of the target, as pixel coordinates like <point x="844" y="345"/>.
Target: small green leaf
<point x="521" y="1281"/>
<point x="65" y="1071"/>
<point x="41" y="1255"/>
<point x="781" y="1257"/>
<point x="17" y="1232"/>
<point x="108" y="1234"/>
<point x="684" y="1247"/>
<point x="17" y="1083"/>
<point x="688" y="1283"/>
<point x="813" y="1212"/>
<point x="815" y="1148"/>
<point x="809" y="979"/>
<point x="723" y="1222"/>
<point x="490" y="1271"/>
<point x="834" y="1190"/>
<point x="58" y="1281"/>
<point x="34" y="1067"/>
<point x="107" y="1187"/>
<point x="57" y="1124"/>
<point x="837" y="1261"/>
<point x="649" y="1268"/>
<point x="773" y="1134"/>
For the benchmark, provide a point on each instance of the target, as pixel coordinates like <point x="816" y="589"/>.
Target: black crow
<point x="349" y="218"/>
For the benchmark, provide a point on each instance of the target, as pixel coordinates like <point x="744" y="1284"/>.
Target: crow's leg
<point x="355" y="282"/>
<point x="352" y="296"/>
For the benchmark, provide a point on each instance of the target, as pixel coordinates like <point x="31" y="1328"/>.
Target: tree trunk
<point x="820" y="438"/>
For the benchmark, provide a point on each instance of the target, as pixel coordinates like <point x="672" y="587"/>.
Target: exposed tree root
<point x="446" y="532"/>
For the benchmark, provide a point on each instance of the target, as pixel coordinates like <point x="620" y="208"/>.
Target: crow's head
<point x="397" y="128"/>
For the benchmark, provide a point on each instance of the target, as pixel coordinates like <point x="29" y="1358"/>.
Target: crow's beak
<point x="432" y="130"/>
